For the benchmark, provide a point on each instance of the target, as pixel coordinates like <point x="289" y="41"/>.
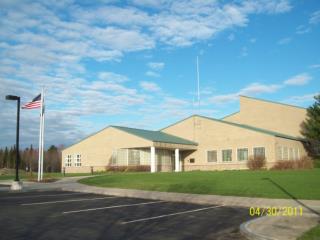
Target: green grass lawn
<point x="301" y="184"/>
<point x="312" y="234"/>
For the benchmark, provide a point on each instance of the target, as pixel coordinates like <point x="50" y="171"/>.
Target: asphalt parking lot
<point x="70" y="215"/>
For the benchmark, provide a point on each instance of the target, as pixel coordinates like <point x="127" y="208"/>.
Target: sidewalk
<point x="272" y="228"/>
<point x="259" y="228"/>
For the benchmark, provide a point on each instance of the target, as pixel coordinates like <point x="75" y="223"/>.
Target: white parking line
<point x="43" y="195"/>
<point x="64" y="201"/>
<point x="171" y="214"/>
<point x="109" y="207"/>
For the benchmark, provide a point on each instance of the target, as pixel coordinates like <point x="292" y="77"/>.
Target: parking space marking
<point x="43" y="195"/>
<point x="110" y="207"/>
<point x="65" y="201"/>
<point x="171" y="214"/>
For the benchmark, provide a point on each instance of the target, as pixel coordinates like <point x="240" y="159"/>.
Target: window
<point x="291" y="154"/>
<point x="242" y="154"/>
<point x="285" y="153"/>
<point x="227" y="155"/>
<point x="279" y="153"/>
<point x="68" y="161"/>
<point x="212" y="156"/>
<point x="134" y="157"/>
<point x="258" y="152"/>
<point x="78" y="160"/>
<point x="191" y="160"/>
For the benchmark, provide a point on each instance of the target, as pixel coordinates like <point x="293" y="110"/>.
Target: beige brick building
<point x="196" y="143"/>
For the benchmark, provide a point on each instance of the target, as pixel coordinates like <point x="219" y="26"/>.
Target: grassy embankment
<point x="300" y="184"/>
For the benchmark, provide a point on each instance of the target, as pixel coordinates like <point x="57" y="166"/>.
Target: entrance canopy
<point x="160" y="139"/>
<point x="163" y="153"/>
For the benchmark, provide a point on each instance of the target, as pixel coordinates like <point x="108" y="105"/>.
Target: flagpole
<point x="42" y="143"/>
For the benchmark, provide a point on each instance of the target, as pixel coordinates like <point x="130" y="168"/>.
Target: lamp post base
<point x="16" y="186"/>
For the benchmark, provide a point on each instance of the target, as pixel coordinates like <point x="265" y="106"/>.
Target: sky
<point x="133" y="63"/>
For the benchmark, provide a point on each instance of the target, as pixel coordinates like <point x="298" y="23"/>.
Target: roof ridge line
<point x="271" y="101"/>
<point x="253" y="128"/>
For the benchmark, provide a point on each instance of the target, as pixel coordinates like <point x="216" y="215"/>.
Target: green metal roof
<point x="156" y="136"/>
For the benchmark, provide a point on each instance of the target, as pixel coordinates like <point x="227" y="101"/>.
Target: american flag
<point x="35" y="103"/>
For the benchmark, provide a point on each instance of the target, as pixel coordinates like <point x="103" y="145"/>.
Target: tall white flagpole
<point x="40" y="139"/>
<point x="42" y="142"/>
<point x="198" y="81"/>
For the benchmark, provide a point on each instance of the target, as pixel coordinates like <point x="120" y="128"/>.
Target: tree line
<point x="29" y="158"/>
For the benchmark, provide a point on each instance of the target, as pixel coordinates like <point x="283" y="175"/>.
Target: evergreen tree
<point x="1" y="157"/>
<point x="5" y="158"/>
<point x="311" y="128"/>
<point x="30" y="158"/>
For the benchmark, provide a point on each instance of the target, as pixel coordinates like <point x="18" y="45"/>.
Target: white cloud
<point x="150" y="3"/>
<point x="157" y="66"/>
<point x="250" y="90"/>
<point x="152" y="74"/>
<point x="112" y="77"/>
<point x="301" y="99"/>
<point x="315" y="17"/>
<point x="258" y="88"/>
<point x="271" y="7"/>
<point x="284" y="41"/>
<point x="49" y="43"/>
<point x="150" y="86"/>
<point x="224" y="98"/>
<point x="302" y="29"/>
<point x="244" y="52"/>
<point x="314" y="66"/>
<point x="124" y="16"/>
<point x="122" y="39"/>
<point x="231" y="37"/>
<point x="252" y="40"/>
<point x="298" y="80"/>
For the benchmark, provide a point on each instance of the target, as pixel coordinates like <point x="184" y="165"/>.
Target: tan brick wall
<point x="267" y="115"/>
<point x="97" y="149"/>
<point x="215" y="135"/>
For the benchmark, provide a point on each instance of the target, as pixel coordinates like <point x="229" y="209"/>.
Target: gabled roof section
<point x="268" y="101"/>
<point x="277" y="134"/>
<point x="260" y="130"/>
<point x="156" y="136"/>
<point x="229" y="115"/>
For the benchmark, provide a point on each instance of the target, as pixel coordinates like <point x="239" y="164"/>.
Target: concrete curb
<point x="288" y="229"/>
<point x="245" y="230"/>
<point x="191" y="198"/>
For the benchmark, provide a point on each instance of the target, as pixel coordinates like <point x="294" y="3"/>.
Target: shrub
<point x="257" y="162"/>
<point x="302" y="163"/>
<point x="116" y="168"/>
<point x="136" y="168"/>
<point x="316" y="163"/>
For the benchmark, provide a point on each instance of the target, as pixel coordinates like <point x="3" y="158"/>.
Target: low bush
<point x="116" y="168"/>
<point x="137" y="168"/>
<point x="302" y="163"/>
<point x="257" y="162"/>
<point x="316" y="163"/>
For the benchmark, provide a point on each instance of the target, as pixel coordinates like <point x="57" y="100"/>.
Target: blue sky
<point x="133" y="63"/>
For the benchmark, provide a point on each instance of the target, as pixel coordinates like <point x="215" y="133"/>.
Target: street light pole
<point x="17" y="141"/>
<point x="16" y="184"/>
